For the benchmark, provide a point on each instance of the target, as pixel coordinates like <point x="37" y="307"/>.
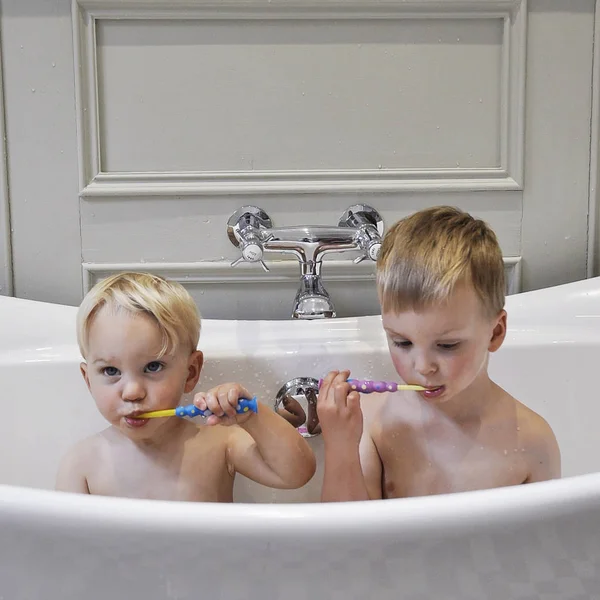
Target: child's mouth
<point x="135" y="421"/>
<point x="434" y="392"/>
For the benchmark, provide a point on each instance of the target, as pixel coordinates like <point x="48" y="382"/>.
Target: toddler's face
<point x="444" y="346"/>
<point x="125" y="375"/>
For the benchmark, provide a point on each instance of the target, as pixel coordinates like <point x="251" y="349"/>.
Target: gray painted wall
<point x="134" y="129"/>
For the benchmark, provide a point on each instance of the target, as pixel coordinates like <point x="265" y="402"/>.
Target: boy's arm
<point x="268" y="450"/>
<point x="352" y="464"/>
<point x="265" y="447"/>
<point x="71" y="473"/>
<point x="545" y="454"/>
<point x="352" y="473"/>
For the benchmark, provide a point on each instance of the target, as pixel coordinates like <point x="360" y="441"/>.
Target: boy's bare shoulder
<point x="372" y="405"/>
<point x="531" y="425"/>
<point x="536" y="439"/>
<point x="386" y="415"/>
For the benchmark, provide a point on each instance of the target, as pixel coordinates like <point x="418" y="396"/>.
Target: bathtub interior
<point x="547" y="363"/>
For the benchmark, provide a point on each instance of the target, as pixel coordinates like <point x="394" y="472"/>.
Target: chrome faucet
<point x="360" y="228"/>
<point x="296" y="402"/>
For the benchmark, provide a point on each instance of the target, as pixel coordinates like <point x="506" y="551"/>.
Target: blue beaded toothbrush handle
<point x="244" y="406"/>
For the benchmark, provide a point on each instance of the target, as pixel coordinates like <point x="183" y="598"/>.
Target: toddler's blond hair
<point x="426" y="255"/>
<point x="167" y="302"/>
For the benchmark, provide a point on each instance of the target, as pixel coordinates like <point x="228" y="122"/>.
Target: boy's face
<point x="444" y="346"/>
<point x="125" y="375"/>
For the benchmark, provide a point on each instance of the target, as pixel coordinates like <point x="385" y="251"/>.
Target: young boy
<point x="138" y="334"/>
<point x="440" y="280"/>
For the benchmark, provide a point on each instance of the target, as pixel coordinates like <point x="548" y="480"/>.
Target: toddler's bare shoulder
<point x="210" y="436"/>
<point x="85" y="453"/>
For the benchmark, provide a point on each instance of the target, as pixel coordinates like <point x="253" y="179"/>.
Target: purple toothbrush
<point x="366" y="386"/>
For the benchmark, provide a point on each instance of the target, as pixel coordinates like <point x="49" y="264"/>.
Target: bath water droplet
<point x="53" y="65"/>
<point x="505" y="452"/>
<point x="33" y="90"/>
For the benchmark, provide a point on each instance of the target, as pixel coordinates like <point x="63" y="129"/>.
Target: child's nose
<point x="424" y="365"/>
<point x="133" y="390"/>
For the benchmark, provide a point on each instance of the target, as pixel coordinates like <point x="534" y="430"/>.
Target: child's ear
<point x="195" y="363"/>
<point x="84" y="371"/>
<point x="498" y="333"/>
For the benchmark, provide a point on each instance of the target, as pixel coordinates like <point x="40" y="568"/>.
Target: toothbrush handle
<point x="366" y="386"/>
<point x="244" y="406"/>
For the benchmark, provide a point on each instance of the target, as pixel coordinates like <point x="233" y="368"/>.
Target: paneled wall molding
<point x="6" y="275"/>
<point x="593" y="248"/>
<point x="285" y="271"/>
<point x="508" y="175"/>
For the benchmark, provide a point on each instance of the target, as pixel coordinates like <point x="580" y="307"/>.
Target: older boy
<point x="440" y="279"/>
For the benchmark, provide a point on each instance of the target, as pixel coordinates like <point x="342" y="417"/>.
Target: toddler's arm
<point x="265" y="447"/>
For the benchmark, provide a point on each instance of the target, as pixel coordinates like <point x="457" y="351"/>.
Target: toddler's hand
<point x="338" y="408"/>
<point x="222" y="401"/>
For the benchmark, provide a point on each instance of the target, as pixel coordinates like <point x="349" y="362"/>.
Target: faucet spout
<point x="312" y="300"/>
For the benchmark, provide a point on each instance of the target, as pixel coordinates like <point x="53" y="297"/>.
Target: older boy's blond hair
<point x="167" y="302"/>
<point x="426" y="255"/>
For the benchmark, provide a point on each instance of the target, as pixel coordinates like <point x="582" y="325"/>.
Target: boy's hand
<point x="339" y="410"/>
<point x="222" y="401"/>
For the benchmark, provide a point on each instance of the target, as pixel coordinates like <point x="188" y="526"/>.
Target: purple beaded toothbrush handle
<point x="366" y="386"/>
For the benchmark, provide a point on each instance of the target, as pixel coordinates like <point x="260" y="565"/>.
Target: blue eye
<point x="154" y="367"/>
<point x="110" y="371"/>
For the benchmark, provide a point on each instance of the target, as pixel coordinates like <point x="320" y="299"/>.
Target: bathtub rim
<point x="448" y="514"/>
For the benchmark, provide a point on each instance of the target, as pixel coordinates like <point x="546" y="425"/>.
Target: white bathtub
<point x="539" y="541"/>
